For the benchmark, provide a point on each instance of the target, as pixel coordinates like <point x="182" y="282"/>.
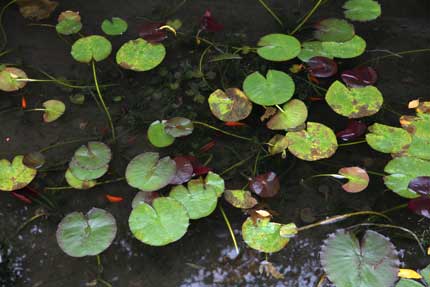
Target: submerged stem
<point x="227" y="222"/>
<point x="353" y="143"/>
<point x="222" y="131"/>
<point x="64" y="143"/>
<point x="306" y="18"/>
<point x="271" y="12"/>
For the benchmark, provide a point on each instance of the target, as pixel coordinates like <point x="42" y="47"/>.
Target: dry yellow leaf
<point x="36" y="9"/>
<point x="413" y="104"/>
<point x="409" y="274"/>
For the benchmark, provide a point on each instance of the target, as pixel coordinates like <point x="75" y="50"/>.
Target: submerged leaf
<point x="278" y="144"/>
<point x="358" y="179"/>
<point x="208" y="23"/>
<point x="15" y="175"/>
<point x="278" y="47"/>
<point x="322" y="67"/>
<point x="115" y="26"/>
<point x="334" y="30"/>
<point x="230" y="106"/>
<point x="157" y="135"/>
<point x="240" y="198"/>
<point x="179" y="127"/>
<point x="53" y="110"/>
<point x="265" y="185"/>
<point x="36" y="9"/>
<point x="362" y="10"/>
<point x="420" y="206"/>
<point x="140" y="55"/>
<point x="9" y="79"/>
<point x="359" y="77"/>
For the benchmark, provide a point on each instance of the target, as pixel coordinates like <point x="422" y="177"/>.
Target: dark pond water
<point x="205" y="255"/>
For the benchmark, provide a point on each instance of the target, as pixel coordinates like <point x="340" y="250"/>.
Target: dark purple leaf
<point x="152" y="33"/>
<point x="420" y="206"/>
<point x="184" y="170"/>
<point x="198" y="169"/>
<point x="208" y="23"/>
<point x="359" y="77"/>
<point x="265" y="185"/>
<point x="355" y="129"/>
<point x="322" y="67"/>
<point x="420" y="185"/>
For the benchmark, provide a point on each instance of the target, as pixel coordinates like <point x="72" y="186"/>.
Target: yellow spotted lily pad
<point x="388" y="139"/>
<point x="69" y="22"/>
<point x="240" y="198"/>
<point x="15" y="175"/>
<point x="293" y="114"/>
<point x="140" y="55"/>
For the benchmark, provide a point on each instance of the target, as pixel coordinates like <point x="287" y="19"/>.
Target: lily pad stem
<point x="306" y="18"/>
<point x="236" y="165"/>
<point x="65" y="143"/>
<point x="222" y="131"/>
<point x="271" y="12"/>
<point x="353" y="143"/>
<point x="55" y="188"/>
<point x="227" y="222"/>
<point x="35" y="110"/>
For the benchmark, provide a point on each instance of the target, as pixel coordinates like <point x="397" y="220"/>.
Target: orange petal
<point x="114" y="199"/>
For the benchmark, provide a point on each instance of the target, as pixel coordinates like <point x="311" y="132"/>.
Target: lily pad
<point x="373" y="262"/>
<point x="322" y="67"/>
<point x="148" y="172"/>
<point x="91" y="48"/>
<point x="265" y="185"/>
<point x="15" y="175"/>
<point x="144" y="197"/>
<point x="77" y="183"/>
<point x="215" y="182"/>
<point x="69" y="22"/>
<point x="426" y="274"/>
<point x="362" y="10"/>
<point x="157" y="135"/>
<point x="316" y="142"/>
<point x="179" y="127"/>
<point x="420" y="132"/>
<point x="162" y="223"/>
<point x="388" y="139"/>
<point x="278" y="144"/>
<point x="358" y="179"/>
<point x="274" y="89"/>
<point x="263" y="235"/>
<point x="8" y="79"/>
<point x="294" y="113"/>
<point x="420" y="185"/>
<point x="345" y="50"/>
<point x="115" y="26"/>
<point x="230" y="106"/>
<point x="359" y="77"/>
<point x="278" y="47"/>
<point x="80" y="235"/>
<point x="313" y="49"/>
<point x="34" y="159"/>
<point x="420" y="206"/>
<point x="240" y="198"/>
<point x="334" y="30"/>
<point x="91" y="161"/>
<point x="408" y="283"/>
<point x="53" y="110"/>
<point x="140" y="55"/>
<point x="354" y="102"/>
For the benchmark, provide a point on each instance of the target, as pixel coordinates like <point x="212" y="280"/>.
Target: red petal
<point x="152" y="33"/>
<point x="209" y="24"/>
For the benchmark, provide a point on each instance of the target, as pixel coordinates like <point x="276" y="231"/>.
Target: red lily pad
<point x="355" y="129"/>
<point x="322" y="67"/>
<point x="420" y="185"/>
<point x="265" y="185"/>
<point x="358" y="179"/>
<point x="420" y="206"/>
<point x="152" y="33"/>
<point x="359" y="77"/>
<point x="184" y="170"/>
<point x="208" y="23"/>
<point x="198" y="168"/>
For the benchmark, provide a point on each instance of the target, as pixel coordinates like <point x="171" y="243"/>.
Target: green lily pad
<point x="77" y="183"/>
<point x="313" y="49"/>
<point x="278" y="144"/>
<point x="334" y="30"/>
<point x="198" y="199"/>
<point x="388" y="139"/>
<point x="373" y="262"/>
<point x="91" y="161"/>
<point x="345" y="50"/>
<point x="278" y="47"/>
<point x="53" y="110"/>
<point x="8" y="79"/>
<point x="289" y="230"/>
<point x="419" y="129"/>
<point x="148" y="172"/>
<point x="140" y="55"/>
<point x="115" y="26"/>
<point x="426" y="274"/>
<point x="358" y="179"/>
<point x="80" y="235"/>
<point x="91" y="48"/>
<point x="362" y="10"/>
<point x="15" y="175"/>
<point x="179" y="127"/>
<point x="69" y="22"/>
<point x="240" y="198"/>
<point x="408" y="283"/>
<point x="293" y="115"/>
<point x="230" y="106"/>
<point x="402" y="170"/>
<point x="354" y="102"/>
<point x="215" y="182"/>
<point x="274" y="89"/>
<point x="263" y="235"/>
<point x="316" y="142"/>
<point x="157" y="135"/>
<point x="162" y="223"/>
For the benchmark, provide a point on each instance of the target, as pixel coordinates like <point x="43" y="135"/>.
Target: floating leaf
<point x="423" y="108"/>
<point x="289" y="230"/>
<point x="409" y="274"/>
<point x="354" y="102"/>
<point x="15" y="175"/>
<point x="359" y="77"/>
<point x="355" y="129"/>
<point x="278" y="47"/>
<point x="53" y="110"/>
<point x="420" y="206"/>
<point x="362" y="10"/>
<point x="115" y="26"/>
<point x="34" y="159"/>
<point x="91" y="48"/>
<point x="9" y="79"/>
<point x="426" y="274"/>
<point x="278" y="144"/>
<point x="157" y="135"/>
<point x="144" y="197"/>
<point x="152" y="33"/>
<point x="265" y="185"/>
<point x="184" y="170"/>
<point x="148" y="172"/>
<point x="80" y="235"/>
<point x="294" y="113"/>
<point x="162" y="223"/>
<point x="388" y="139"/>
<point x="316" y="142"/>
<point x="334" y="30"/>
<point x="408" y="283"/>
<point x="240" y="198"/>
<point x="91" y="161"/>
<point x="77" y="183"/>
<point x="358" y="179"/>
<point x="373" y="262"/>
<point x="274" y="89"/>
<point x="420" y="132"/>
<point x="345" y="50"/>
<point x="313" y="49"/>
<point x="215" y="182"/>
<point x="420" y="185"/>
<point x="140" y="55"/>
<point x="322" y="67"/>
<point x="36" y="9"/>
<point x="179" y="127"/>
<point x="208" y="23"/>
<point x="69" y="22"/>
<point x="230" y="106"/>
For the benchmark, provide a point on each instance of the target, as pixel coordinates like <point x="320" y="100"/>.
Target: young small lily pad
<point x="263" y="235"/>
<point x="265" y="185"/>
<point x="115" y="26"/>
<point x="345" y="50"/>
<point x="94" y="47"/>
<point x="354" y="102"/>
<point x="53" y="110"/>
<point x="240" y="198"/>
<point x="334" y="30"/>
<point x="80" y="235"/>
<point x="313" y="49"/>
<point x="274" y="89"/>
<point x="420" y="185"/>
<point x="362" y="10"/>
<point x="8" y="79"/>
<point x="278" y="47"/>
<point x="321" y="67"/>
<point x="69" y="22"/>
<point x="148" y="172"/>
<point x="76" y="183"/>
<point x="179" y="127"/>
<point x="316" y="142"/>
<point x="278" y="144"/>
<point x="77" y="99"/>
<point x="162" y="223"/>
<point x="289" y="230"/>
<point x="358" y="179"/>
<point x="157" y="135"/>
<point x="15" y="175"/>
<point x="140" y="55"/>
<point x="230" y="106"/>
<point x="184" y="170"/>
<point x="91" y="161"/>
<point x="388" y="139"/>
<point x="34" y="159"/>
<point x="294" y="113"/>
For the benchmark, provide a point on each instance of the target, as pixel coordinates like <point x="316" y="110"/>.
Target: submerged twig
<point x="271" y="12"/>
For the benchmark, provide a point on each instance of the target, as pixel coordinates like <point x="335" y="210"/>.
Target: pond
<point x="180" y="87"/>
